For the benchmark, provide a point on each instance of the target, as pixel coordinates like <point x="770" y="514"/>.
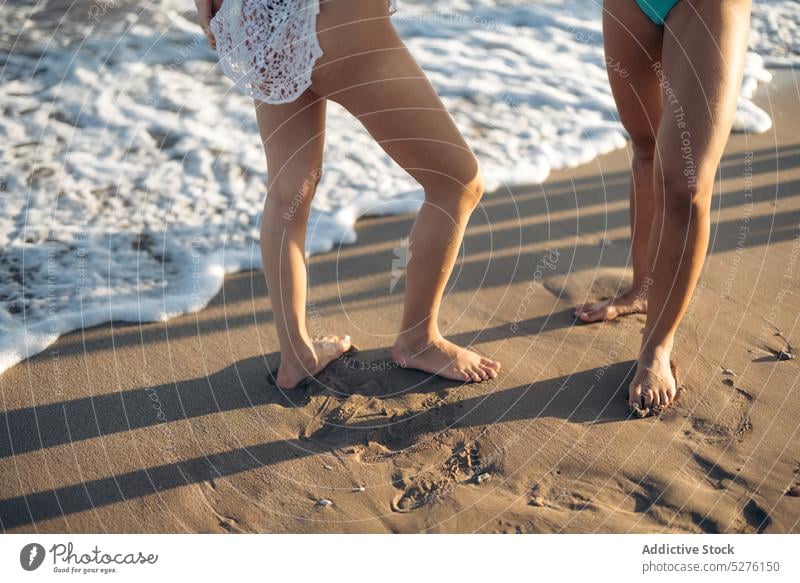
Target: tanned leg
<point x="367" y="69"/>
<point x="703" y="57"/>
<point x="293" y="137"/>
<point x="632" y="44"/>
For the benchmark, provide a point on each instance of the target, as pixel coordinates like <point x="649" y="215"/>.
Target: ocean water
<point x="132" y="176"/>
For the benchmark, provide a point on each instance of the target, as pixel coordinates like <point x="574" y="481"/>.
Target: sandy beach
<point x="176" y="426"/>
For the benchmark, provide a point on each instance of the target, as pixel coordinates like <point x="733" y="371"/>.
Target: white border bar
<point x="409" y="558"/>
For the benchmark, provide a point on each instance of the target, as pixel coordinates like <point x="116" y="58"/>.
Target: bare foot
<point x="296" y="367"/>
<point x="442" y="357"/>
<point x="654" y="386"/>
<point x="611" y="308"/>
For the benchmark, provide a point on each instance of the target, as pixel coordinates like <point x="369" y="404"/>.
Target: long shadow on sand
<point x="501" y="232"/>
<point x="40" y="427"/>
<point x="590" y="396"/>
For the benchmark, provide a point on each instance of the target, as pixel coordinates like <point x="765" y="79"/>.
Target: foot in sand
<point x="442" y="357"/>
<point x="611" y="308"/>
<point x="654" y="386"/>
<point x="298" y="365"/>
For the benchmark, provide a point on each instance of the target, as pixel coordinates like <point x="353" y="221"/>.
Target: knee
<point x="473" y="190"/>
<point x="292" y="193"/>
<point x="463" y="190"/>
<point x="685" y="190"/>
<point x="644" y="147"/>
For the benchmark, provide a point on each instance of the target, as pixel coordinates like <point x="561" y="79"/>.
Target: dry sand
<point x="174" y="427"/>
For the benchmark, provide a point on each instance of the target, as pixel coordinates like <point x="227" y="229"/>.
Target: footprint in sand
<point x="727" y="427"/>
<point x="548" y="493"/>
<point x="331" y="416"/>
<point x="756" y="516"/>
<point x="461" y="466"/>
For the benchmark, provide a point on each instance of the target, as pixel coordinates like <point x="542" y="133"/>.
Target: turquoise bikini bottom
<point x="657" y="10"/>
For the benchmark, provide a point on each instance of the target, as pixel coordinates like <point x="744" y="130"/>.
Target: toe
<point x="490" y="364"/>
<point x="673" y="394"/>
<point x="592" y="315"/>
<point x="600" y="314"/>
<point x="474" y="376"/>
<point x="635" y="396"/>
<point x="490" y="372"/>
<point x="482" y="373"/>
<point x="668" y="397"/>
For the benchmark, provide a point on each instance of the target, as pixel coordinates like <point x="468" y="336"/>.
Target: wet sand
<point x="175" y="427"/>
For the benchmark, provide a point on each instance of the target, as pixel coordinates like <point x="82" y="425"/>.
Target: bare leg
<point x="632" y="43"/>
<point x="367" y="69"/>
<point x="703" y="58"/>
<point x="293" y="137"/>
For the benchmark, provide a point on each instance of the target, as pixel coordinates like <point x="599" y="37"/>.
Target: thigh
<point x="367" y="69"/>
<point x="632" y="45"/>
<point x="703" y="58"/>
<point x="293" y="135"/>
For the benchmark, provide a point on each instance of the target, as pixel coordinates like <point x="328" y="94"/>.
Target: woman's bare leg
<point x="293" y="137"/>
<point x="703" y="59"/>
<point x="367" y="69"/>
<point x="632" y="44"/>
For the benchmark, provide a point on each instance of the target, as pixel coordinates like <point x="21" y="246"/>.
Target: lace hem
<point x="268" y="48"/>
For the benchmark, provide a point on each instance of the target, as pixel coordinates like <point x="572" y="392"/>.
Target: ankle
<point x="414" y="341"/>
<point x="660" y="352"/>
<point x="300" y="352"/>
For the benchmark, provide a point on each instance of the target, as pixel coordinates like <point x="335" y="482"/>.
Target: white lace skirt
<point x="269" y="47"/>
